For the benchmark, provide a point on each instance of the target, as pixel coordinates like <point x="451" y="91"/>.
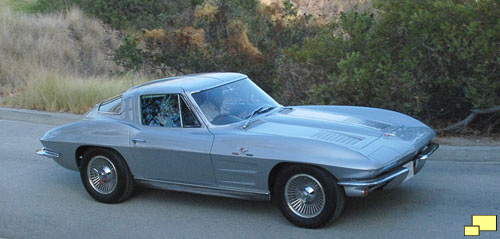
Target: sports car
<point x="220" y="134"/>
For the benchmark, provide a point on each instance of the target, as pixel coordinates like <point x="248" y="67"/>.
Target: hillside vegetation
<point x="327" y="8"/>
<point x="19" y="5"/>
<point x="57" y="62"/>
<point x="433" y="59"/>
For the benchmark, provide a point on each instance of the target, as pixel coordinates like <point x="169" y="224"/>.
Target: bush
<point x="128" y="55"/>
<point x="242" y="36"/>
<point x="433" y="59"/>
<point x="132" y="14"/>
<point x="234" y="35"/>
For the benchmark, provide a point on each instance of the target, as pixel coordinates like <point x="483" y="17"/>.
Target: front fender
<point x="247" y="159"/>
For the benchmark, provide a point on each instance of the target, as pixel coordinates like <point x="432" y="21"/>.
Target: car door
<point x="170" y="143"/>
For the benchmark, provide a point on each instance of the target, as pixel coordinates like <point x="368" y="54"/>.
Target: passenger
<point x="161" y="111"/>
<point x="212" y="103"/>
<point x="169" y="112"/>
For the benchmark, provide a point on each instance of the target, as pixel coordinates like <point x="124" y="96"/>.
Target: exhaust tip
<point x="356" y="191"/>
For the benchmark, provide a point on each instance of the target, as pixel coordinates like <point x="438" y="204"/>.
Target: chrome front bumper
<point x="47" y="153"/>
<point x="361" y="188"/>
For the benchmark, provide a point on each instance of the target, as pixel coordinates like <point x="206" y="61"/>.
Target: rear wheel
<point x="106" y="176"/>
<point x="308" y="196"/>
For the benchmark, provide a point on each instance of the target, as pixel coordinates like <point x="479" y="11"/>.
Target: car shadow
<point x="353" y="208"/>
<point x="377" y="203"/>
<point x="203" y="201"/>
<point x="380" y="203"/>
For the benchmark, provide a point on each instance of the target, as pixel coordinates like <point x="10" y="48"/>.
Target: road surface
<point x="40" y="199"/>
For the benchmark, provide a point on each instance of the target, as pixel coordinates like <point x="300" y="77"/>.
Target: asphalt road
<point x="39" y="199"/>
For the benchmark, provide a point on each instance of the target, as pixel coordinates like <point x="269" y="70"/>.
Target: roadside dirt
<point x="468" y="141"/>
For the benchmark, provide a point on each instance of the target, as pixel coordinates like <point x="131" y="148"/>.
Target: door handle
<point x="139" y="141"/>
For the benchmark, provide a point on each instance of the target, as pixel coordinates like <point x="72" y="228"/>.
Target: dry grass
<point x="207" y="11"/>
<point x="59" y="62"/>
<point x="56" y="92"/>
<point x="238" y="39"/>
<point x="65" y="43"/>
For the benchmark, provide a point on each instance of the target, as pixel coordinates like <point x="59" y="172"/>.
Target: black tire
<point x="124" y="184"/>
<point x="333" y="195"/>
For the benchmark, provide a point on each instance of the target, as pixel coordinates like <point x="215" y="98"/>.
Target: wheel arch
<point x="81" y="150"/>
<point x="280" y="166"/>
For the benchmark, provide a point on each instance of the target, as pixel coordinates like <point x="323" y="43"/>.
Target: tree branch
<point x="471" y="117"/>
<point x="488" y="110"/>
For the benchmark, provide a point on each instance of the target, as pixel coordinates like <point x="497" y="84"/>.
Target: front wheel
<point x="308" y="196"/>
<point x="106" y="176"/>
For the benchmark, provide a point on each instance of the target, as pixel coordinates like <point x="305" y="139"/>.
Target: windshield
<point x="233" y="102"/>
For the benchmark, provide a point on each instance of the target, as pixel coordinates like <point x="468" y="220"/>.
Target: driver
<point x="212" y="104"/>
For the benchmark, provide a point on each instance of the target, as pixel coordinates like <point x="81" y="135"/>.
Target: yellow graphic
<point x="481" y="223"/>
<point x="485" y="223"/>
<point x="471" y="231"/>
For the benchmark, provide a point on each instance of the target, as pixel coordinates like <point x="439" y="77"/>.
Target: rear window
<point x="113" y="105"/>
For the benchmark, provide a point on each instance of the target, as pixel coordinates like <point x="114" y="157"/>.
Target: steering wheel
<point x="225" y="119"/>
<point x="239" y="108"/>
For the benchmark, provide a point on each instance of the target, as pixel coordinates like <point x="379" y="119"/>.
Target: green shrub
<point x="128" y="55"/>
<point x="433" y="59"/>
<point x="238" y="35"/>
<point x="135" y="14"/>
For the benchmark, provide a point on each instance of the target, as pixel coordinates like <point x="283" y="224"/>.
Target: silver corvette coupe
<point x="220" y="134"/>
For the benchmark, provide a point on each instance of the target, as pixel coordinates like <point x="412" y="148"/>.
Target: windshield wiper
<point x="256" y="111"/>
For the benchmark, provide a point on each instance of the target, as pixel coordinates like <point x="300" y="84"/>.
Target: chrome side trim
<point x="422" y="157"/>
<point x="428" y="151"/>
<point x="47" y="153"/>
<point x="206" y="190"/>
<point x="107" y="101"/>
<point x="180" y="109"/>
<point x="376" y="181"/>
<point x="360" y="188"/>
<point x="109" y="113"/>
<point x="356" y="188"/>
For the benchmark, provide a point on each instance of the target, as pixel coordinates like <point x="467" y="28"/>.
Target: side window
<point x="160" y="110"/>
<point x="113" y="105"/>
<point x="188" y="118"/>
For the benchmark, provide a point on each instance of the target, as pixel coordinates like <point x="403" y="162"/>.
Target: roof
<point x="188" y="83"/>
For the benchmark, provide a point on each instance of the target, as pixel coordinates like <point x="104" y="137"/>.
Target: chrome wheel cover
<point x="101" y="173"/>
<point x="304" y="195"/>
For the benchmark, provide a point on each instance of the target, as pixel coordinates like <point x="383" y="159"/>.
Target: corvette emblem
<point x="243" y="152"/>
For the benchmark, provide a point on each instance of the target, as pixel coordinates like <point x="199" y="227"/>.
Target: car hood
<point x="342" y="128"/>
